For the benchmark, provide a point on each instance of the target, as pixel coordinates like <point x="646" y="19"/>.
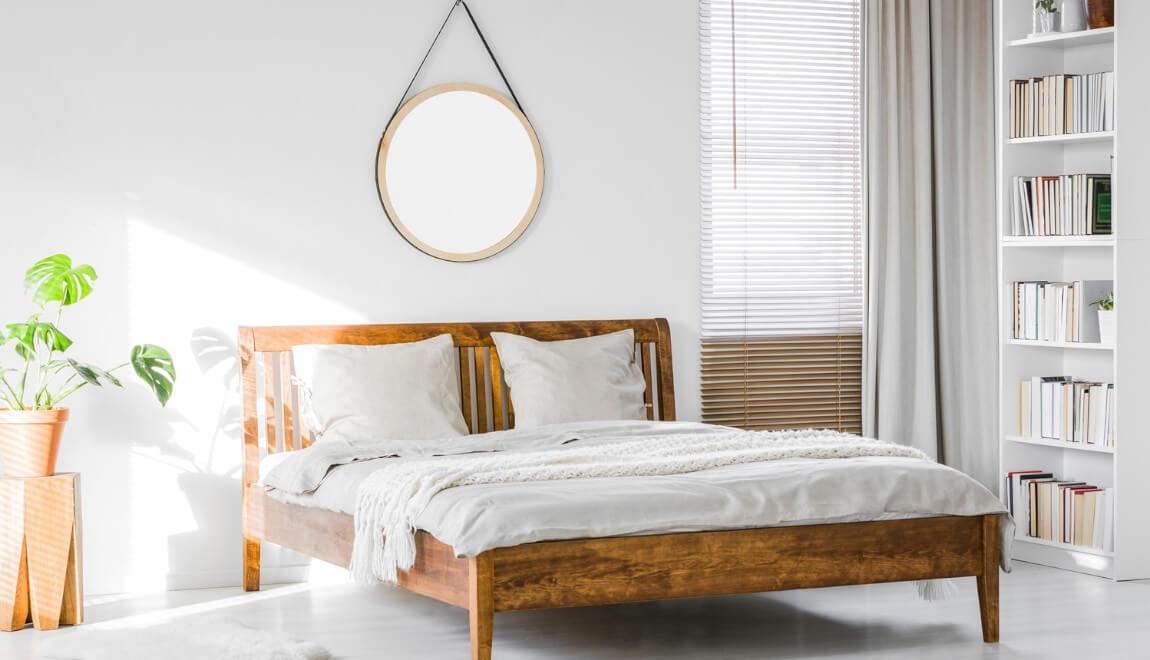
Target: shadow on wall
<point x="210" y="486"/>
<point x="193" y="556"/>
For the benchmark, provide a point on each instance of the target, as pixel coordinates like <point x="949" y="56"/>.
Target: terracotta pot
<point x="29" y="440"/>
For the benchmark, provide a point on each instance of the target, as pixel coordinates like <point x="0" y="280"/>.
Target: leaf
<point x="27" y="335"/>
<point x="92" y="374"/>
<point x="55" y="280"/>
<point x="154" y="366"/>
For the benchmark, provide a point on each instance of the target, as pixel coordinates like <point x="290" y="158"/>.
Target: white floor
<point x="1045" y="614"/>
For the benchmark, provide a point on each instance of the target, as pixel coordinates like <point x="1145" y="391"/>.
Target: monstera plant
<point x="37" y="372"/>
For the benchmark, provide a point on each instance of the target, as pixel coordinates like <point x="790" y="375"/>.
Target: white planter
<point x="1045" y="22"/>
<point x="1107" y="326"/>
<point x="1073" y="15"/>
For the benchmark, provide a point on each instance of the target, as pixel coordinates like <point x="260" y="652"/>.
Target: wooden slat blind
<point x="782" y="234"/>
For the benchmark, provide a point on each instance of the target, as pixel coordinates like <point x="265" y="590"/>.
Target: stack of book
<point x="1067" y="409"/>
<point x="1061" y="104"/>
<point x="1058" y="311"/>
<point x="1063" y="511"/>
<point x="1066" y="205"/>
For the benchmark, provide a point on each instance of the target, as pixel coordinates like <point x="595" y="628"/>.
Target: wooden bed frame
<point x="592" y="571"/>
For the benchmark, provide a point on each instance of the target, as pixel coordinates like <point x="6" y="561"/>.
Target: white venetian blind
<point x="782" y="243"/>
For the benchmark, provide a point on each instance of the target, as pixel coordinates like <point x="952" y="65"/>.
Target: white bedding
<point x="476" y="518"/>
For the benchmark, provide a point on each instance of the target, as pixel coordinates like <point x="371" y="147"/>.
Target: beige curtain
<point x="931" y="358"/>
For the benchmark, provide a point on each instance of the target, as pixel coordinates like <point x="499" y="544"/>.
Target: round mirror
<point x="460" y="172"/>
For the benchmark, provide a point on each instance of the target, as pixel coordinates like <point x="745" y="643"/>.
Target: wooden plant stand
<point x="40" y="578"/>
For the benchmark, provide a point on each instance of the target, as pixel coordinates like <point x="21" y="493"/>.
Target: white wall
<point x="214" y="161"/>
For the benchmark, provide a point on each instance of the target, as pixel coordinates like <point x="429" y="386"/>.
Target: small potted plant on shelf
<point x="31" y="417"/>
<point x="1106" y="319"/>
<point x="1045" y="15"/>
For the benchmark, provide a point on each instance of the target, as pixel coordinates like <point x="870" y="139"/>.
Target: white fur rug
<point x="178" y="639"/>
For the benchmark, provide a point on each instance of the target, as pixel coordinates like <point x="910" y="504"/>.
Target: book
<point x="1012" y="489"/>
<point x="1061" y="205"/>
<point x="1020" y="484"/>
<point x="1066" y="511"/>
<point x="1066" y="409"/>
<point x="1062" y="103"/>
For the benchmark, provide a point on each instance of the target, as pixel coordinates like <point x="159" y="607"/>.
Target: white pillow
<point x="384" y="392"/>
<point x="574" y="380"/>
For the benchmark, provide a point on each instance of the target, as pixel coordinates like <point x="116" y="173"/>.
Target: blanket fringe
<point x="940" y="589"/>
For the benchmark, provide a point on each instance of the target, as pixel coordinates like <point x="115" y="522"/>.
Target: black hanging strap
<point x="486" y="46"/>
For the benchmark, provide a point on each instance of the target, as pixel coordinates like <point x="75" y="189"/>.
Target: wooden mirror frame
<point x="381" y="173"/>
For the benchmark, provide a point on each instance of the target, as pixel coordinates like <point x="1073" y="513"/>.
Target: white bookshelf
<point x="1123" y="257"/>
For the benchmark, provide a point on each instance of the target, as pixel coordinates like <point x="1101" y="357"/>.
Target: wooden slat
<point x="480" y="392"/>
<point x="510" y="411"/>
<point x="271" y="390"/>
<point x="286" y="396"/>
<point x="664" y="371"/>
<point x="465" y="385"/>
<point x="779" y="383"/>
<point x="497" y="420"/>
<point x="776" y="402"/>
<point x="786" y="425"/>
<point x="305" y="433"/>
<point x="645" y="356"/>
<point x="251" y="470"/>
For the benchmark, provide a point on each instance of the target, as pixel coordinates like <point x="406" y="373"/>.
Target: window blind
<point x="782" y="226"/>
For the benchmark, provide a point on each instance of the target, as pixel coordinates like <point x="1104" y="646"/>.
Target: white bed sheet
<point x="473" y="519"/>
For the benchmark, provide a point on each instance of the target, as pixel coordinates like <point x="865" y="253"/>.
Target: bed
<point x="580" y="571"/>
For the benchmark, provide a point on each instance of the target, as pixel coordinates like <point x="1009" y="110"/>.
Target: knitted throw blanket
<point x="391" y="499"/>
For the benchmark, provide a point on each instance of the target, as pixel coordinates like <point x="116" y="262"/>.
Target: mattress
<point x="476" y="518"/>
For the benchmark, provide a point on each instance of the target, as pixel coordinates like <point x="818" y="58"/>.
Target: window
<point x="782" y="234"/>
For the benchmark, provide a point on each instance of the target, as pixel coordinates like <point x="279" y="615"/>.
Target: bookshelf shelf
<point x="1065" y="546"/>
<point x="1067" y="39"/>
<point x="1076" y="345"/>
<point x="1097" y="136"/>
<point x="1058" y="444"/>
<point x="1057" y="241"/>
<point x="1119" y="262"/>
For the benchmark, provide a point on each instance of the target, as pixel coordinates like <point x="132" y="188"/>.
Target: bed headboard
<point x="270" y="398"/>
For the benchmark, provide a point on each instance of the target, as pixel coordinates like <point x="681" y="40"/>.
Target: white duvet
<point x="483" y="516"/>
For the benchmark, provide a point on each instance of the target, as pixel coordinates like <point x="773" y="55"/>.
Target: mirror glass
<point x="460" y="172"/>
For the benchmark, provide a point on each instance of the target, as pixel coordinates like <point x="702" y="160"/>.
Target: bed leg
<point x="481" y="606"/>
<point x="251" y="564"/>
<point x="988" y="581"/>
